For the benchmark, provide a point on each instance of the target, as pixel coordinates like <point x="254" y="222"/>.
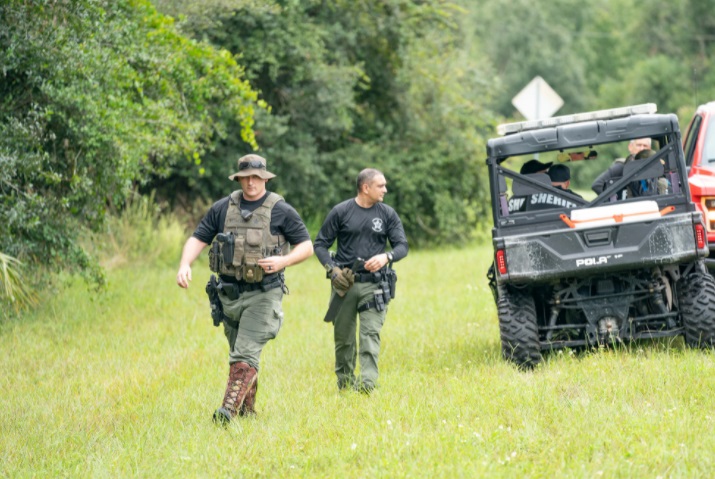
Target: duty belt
<point x="369" y="277"/>
<point x="234" y="289"/>
<point x="267" y="278"/>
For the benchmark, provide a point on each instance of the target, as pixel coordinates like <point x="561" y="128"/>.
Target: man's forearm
<point x="323" y="254"/>
<point x="400" y="251"/>
<point x="299" y="253"/>
<point x="192" y="250"/>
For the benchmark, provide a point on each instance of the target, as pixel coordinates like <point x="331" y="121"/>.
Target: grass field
<point x="124" y="385"/>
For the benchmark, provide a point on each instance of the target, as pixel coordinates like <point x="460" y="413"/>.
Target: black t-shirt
<point x="285" y="220"/>
<point x="361" y="233"/>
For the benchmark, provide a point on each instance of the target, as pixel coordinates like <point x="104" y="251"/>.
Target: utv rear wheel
<point x="517" y="325"/>
<point x="696" y="294"/>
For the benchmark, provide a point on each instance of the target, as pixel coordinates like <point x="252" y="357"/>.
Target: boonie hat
<point x="250" y="165"/>
<point x="534" y="166"/>
<point x="559" y="173"/>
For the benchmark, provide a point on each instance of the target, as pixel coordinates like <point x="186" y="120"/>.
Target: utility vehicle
<point x="621" y="265"/>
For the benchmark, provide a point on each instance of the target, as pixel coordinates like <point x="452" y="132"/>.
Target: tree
<point x="356" y="84"/>
<point x="96" y="96"/>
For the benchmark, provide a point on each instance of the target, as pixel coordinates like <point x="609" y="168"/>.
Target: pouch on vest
<point x="253" y="273"/>
<point x="214" y="257"/>
<point x="238" y="249"/>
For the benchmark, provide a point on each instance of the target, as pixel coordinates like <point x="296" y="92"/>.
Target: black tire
<point x="518" y="328"/>
<point x="696" y="297"/>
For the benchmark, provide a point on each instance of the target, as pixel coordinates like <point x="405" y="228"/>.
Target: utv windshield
<point x="585" y="176"/>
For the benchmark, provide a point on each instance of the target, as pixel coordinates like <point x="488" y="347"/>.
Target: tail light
<point x="501" y="261"/>
<point x="700" y="237"/>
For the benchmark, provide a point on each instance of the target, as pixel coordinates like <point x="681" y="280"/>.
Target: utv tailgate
<point x="580" y="252"/>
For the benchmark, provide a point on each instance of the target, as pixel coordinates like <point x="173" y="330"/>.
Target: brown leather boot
<point x="248" y="407"/>
<point x="241" y="379"/>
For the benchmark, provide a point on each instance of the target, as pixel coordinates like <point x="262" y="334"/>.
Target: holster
<point x="227" y="248"/>
<point x="380" y="299"/>
<point x="229" y="289"/>
<point x="392" y="282"/>
<point x="216" y="306"/>
<point x="214" y="255"/>
<point x="383" y="294"/>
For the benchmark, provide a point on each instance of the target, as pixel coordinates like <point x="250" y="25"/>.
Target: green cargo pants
<point x="259" y="317"/>
<point x="344" y="333"/>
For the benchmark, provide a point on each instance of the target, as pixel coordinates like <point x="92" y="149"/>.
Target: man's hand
<point x="342" y="279"/>
<point x="376" y="262"/>
<point x="191" y="251"/>
<point x="272" y="264"/>
<point x="183" y="277"/>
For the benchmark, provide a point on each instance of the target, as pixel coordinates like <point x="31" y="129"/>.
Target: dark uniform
<point x="560" y="175"/>
<point x="541" y="201"/>
<point x="634" y="189"/>
<point x="612" y="174"/>
<point x="361" y="233"/>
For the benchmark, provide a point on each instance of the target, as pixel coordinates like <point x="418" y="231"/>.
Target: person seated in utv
<point x="560" y="176"/>
<point x="518" y="203"/>
<point x="646" y="187"/>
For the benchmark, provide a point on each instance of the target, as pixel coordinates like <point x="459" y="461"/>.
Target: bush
<point x="95" y="97"/>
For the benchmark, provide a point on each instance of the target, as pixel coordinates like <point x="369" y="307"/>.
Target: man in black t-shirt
<point x="253" y="228"/>
<point x="362" y="226"/>
<point x="560" y="176"/>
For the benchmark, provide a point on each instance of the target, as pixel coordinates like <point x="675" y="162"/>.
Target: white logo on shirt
<point x="376" y="225"/>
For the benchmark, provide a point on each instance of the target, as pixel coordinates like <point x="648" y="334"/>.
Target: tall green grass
<point x="123" y="384"/>
<point x="142" y="232"/>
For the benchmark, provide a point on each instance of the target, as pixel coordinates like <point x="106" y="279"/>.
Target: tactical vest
<point x="246" y="240"/>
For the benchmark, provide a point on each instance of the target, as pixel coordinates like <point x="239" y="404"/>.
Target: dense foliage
<point x="387" y="84"/>
<point x="96" y="96"/>
<point x="601" y="54"/>
<point x="101" y="98"/>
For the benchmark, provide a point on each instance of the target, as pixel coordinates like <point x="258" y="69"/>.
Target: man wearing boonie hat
<point x="251" y="233"/>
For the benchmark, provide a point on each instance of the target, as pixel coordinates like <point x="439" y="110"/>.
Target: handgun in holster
<point x="230" y="290"/>
<point x="227" y="241"/>
<point x="214" y="300"/>
<point x="392" y="282"/>
<point x="214" y="257"/>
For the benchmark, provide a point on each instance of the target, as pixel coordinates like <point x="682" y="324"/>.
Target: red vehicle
<point x="699" y="149"/>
